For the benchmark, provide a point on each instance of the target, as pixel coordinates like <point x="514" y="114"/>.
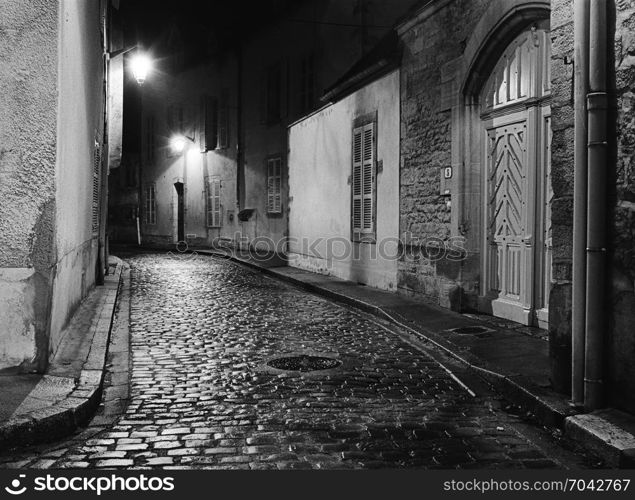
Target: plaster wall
<point x="320" y="169"/>
<point x="28" y="114"/>
<point x="80" y="130"/>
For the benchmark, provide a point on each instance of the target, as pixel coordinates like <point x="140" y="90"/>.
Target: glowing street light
<point x="141" y="66"/>
<point x="178" y="143"/>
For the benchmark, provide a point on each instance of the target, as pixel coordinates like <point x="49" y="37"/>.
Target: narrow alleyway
<point x="202" y="395"/>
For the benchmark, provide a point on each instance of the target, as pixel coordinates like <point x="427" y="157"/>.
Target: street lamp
<point x="178" y="143"/>
<point x="141" y="65"/>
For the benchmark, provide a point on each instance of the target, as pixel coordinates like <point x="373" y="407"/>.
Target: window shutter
<point x="214" y="211"/>
<point x="170" y="118"/>
<point x="270" y="186"/>
<point x="202" y="113"/>
<point x="217" y="207"/>
<point x="211" y="123"/>
<point x="264" y="84"/>
<point x="150" y="207"/>
<point x="277" y="186"/>
<point x="284" y="89"/>
<point x="368" y="175"/>
<point x="145" y="206"/>
<point x="274" y="185"/>
<point x="357" y="182"/>
<point x="223" y="120"/>
<point x="96" y="188"/>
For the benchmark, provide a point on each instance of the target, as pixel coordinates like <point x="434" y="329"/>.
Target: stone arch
<point x="499" y="25"/>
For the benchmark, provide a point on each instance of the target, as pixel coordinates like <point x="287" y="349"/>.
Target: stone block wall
<point x="621" y="341"/>
<point x="620" y="306"/>
<point x="562" y="121"/>
<point x="426" y="148"/>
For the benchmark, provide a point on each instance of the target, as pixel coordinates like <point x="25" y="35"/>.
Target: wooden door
<point x="516" y="142"/>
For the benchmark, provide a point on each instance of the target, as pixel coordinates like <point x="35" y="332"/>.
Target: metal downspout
<point x="581" y="89"/>
<point x="597" y="104"/>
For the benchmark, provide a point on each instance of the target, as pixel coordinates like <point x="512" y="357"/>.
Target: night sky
<point x="202" y="23"/>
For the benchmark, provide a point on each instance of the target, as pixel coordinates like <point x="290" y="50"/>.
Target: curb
<point x="608" y="433"/>
<point x="65" y="416"/>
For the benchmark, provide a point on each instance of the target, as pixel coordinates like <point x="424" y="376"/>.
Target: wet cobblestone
<point x="202" y="395"/>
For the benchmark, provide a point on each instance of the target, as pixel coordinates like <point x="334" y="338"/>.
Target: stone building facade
<point x="487" y="171"/>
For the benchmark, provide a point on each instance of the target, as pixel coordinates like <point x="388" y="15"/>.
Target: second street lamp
<point x="141" y="65"/>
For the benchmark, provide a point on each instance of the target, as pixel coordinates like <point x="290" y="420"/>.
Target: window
<point x="307" y="83"/>
<point x="208" y="136"/>
<point x="96" y="188"/>
<point x="150" y="138"/>
<point x="274" y="186"/>
<point x="272" y="95"/>
<point x="223" y="120"/>
<point x="175" y="119"/>
<point x="131" y="174"/>
<point x="363" y="183"/>
<point x="213" y="202"/>
<point x="150" y="212"/>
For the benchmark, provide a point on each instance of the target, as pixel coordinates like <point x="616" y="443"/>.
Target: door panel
<point x="506" y="212"/>
<point x="506" y="191"/>
<point x="516" y="153"/>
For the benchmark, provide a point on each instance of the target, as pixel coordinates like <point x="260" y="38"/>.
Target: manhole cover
<point x="471" y="330"/>
<point x="304" y="363"/>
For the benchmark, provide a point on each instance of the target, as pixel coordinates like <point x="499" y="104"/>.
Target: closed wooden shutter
<point x="96" y="188"/>
<point x="274" y="185"/>
<point x="213" y="202"/>
<point x="357" y="182"/>
<point x="211" y="123"/>
<point x="368" y="222"/>
<point x="175" y="118"/>
<point x="223" y="120"/>
<point x="150" y="208"/>
<point x="202" y="115"/>
<point x="364" y="182"/>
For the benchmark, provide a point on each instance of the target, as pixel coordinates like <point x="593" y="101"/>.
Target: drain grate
<point x="304" y="363"/>
<point x="471" y="330"/>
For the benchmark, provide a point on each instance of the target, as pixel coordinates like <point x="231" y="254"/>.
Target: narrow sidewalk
<point x="50" y="406"/>
<point x="514" y="359"/>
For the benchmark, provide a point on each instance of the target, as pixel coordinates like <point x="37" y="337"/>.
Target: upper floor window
<point x="209" y="123"/>
<point x="175" y="120"/>
<point x="306" y="94"/>
<point x="273" y="84"/>
<point x="223" y="119"/>
<point x="150" y="138"/>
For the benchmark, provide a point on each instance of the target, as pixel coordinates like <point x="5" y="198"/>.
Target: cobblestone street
<point x="202" y="331"/>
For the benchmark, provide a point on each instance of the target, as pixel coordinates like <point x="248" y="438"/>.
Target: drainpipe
<point x="596" y="207"/>
<point x="580" y="91"/>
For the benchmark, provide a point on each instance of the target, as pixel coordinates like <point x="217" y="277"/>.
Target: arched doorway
<point x="515" y="130"/>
